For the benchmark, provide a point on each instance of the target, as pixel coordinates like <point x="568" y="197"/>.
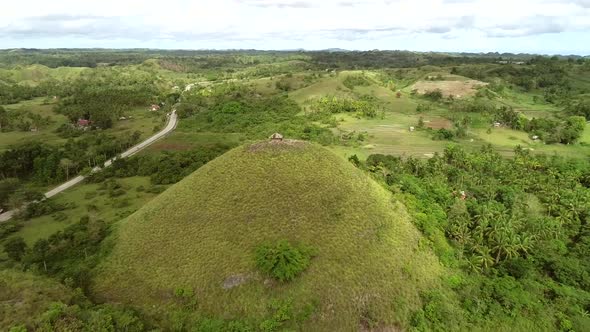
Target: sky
<point x="518" y="26"/>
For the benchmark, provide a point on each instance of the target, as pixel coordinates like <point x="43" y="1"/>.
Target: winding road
<point x="170" y="126"/>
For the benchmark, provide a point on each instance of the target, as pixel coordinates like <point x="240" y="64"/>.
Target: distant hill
<point x="368" y="268"/>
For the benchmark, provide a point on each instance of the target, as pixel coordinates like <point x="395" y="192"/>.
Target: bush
<point x="155" y="189"/>
<point x="15" y="248"/>
<point x="283" y="261"/>
<point x="116" y="192"/>
<point x="355" y="80"/>
<point x="443" y="134"/>
<point x="434" y="95"/>
<point x="37" y="209"/>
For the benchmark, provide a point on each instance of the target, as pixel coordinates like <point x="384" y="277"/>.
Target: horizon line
<point x="331" y="49"/>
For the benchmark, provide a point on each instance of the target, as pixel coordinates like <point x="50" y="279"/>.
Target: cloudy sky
<point x="533" y="26"/>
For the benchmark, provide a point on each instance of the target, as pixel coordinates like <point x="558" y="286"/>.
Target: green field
<point x="389" y="133"/>
<point x="142" y="120"/>
<point x="89" y="199"/>
<point x="44" y="134"/>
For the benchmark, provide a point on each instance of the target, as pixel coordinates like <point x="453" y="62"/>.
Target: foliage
<point x="237" y="109"/>
<point x="365" y="106"/>
<point x="70" y="253"/>
<point x="352" y="81"/>
<point x="22" y="120"/>
<point x="282" y="261"/>
<point x="104" y="95"/>
<point x="45" y="163"/>
<point x="40" y="208"/>
<point x="516" y="227"/>
<point x="434" y="95"/>
<point x="15" y="248"/>
<point x="580" y="108"/>
<point x="165" y="168"/>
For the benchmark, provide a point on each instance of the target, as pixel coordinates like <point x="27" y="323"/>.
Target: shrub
<point x="15" y="248"/>
<point x="283" y="261"/>
<point x="443" y="134"/>
<point x="116" y="192"/>
<point x="435" y="94"/>
<point x="155" y="189"/>
<point x="118" y="204"/>
<point x="355" y="80"/>
<point x="60" y="216"/>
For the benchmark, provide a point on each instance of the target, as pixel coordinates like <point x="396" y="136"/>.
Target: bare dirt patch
<point x="457" y="89"/>
<point x="235" y="280"/>
<point x="277" y="145"/>
<point x="438" y="123"/>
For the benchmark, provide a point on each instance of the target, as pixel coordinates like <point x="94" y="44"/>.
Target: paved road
<point x="172" y="121"/>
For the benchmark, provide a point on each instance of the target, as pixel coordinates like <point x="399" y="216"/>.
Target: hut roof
<point x="276" y="136"/>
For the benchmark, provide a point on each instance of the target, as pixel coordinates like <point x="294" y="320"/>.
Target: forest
<point x="517" y="229"/>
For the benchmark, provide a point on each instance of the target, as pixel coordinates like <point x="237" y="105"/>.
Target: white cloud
<point x="239" y="23"/>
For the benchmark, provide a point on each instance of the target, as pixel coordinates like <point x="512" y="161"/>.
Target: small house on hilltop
<point x="154" y="107"/>
<point x="276" y="137"/>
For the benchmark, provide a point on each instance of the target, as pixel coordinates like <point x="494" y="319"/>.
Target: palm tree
<point x="483" y="257"/>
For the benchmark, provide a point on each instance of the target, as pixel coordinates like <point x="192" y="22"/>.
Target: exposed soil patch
<point x="277" y="145"/>
<point x="457" y="89"/>
<point x="439" y="123"/>
<point x="235" y="280"/>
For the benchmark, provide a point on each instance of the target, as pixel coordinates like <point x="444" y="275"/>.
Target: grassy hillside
<point x="24" y="296"/>
<point x="369" y="265"/>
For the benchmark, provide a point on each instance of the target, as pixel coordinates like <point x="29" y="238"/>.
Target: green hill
<point x="200" y="238"/>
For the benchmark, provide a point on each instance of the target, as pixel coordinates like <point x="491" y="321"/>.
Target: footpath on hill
<point x="170" y="126"/>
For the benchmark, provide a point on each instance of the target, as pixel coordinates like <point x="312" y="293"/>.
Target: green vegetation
<point x="514" y="230"/>
<point x="282" y="261"/>
<point x="489" y="233"/>
<point x="46" y="305"/>
<point x="268" y="193"/>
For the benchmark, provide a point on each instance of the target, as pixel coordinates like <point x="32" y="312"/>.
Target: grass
<point x="204" y="231"/>
<point x="506" y="139"/>
<point x="331" y="85"/>
<point x="24" y="297"/>
<point x="390" y="135"/>
<point x="142" y="121"/>
<point x="44" y="134"/>
<point x="82" y="196"/>
<point x="33" y="74"/>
